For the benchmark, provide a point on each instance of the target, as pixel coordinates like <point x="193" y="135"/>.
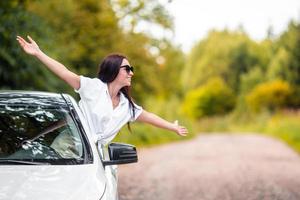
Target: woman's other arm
<point x="157" y="121"/>
<point x="57" y="68"/>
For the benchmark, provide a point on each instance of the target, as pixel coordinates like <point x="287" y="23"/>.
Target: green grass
<point x="286" y="127"/>
<point x="283" y="125"/>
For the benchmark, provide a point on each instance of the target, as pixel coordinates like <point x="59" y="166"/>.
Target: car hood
<point x="84" y="182"/>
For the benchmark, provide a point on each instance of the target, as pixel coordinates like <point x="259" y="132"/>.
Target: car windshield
<point x="39" y="135"/>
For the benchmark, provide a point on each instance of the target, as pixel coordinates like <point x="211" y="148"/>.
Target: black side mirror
<point x="121" y="154"/>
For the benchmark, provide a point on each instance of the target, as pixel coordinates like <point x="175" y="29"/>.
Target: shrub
<point x="271" y="95"/>
<point x="213" y="98"/>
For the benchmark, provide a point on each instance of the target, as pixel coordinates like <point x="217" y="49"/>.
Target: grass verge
<point x="284" y="125"/>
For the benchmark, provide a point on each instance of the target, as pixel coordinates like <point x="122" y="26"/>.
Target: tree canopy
<point x="81" y="33"/>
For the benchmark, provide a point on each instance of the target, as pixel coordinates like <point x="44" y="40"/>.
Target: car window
<point x="39" y="134"/>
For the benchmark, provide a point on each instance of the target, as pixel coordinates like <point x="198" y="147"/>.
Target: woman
<point x="105" y="101"/>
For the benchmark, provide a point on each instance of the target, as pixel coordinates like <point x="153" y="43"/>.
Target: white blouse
<point x="96" y="105"/>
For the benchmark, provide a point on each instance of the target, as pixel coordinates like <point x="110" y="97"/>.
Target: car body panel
<point x="110" y="171"/>
<point x="90" y="181"/>
<point x="73" y="182"/>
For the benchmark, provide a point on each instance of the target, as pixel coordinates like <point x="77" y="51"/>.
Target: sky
<point x="194" y="18"/>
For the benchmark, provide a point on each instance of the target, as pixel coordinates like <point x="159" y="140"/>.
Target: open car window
<point x="39" y="135"/>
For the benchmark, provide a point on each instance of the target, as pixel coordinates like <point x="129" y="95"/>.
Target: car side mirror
<point x="121" y="154"/>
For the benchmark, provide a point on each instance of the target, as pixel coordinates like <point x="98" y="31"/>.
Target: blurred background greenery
<point x="228" y="82"/>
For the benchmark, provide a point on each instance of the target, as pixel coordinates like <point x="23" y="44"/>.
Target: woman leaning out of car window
<point x="105" y="101"/>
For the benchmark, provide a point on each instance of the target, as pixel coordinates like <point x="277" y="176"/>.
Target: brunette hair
<point x="108" y="71"/>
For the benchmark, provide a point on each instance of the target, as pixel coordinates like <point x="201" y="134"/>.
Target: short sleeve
<point x="137" y="112"/>
<point x="89" y="86"/>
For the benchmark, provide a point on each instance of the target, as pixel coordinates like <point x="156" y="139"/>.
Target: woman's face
<point x="124" y="76"/>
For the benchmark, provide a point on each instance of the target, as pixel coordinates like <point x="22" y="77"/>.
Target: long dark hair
<point x="109" y="70"/>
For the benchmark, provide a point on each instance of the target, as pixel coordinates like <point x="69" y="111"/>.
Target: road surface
<point x="214" y="167"/>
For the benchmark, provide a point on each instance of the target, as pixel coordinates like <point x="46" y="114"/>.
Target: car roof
<point x="32" y="98"/>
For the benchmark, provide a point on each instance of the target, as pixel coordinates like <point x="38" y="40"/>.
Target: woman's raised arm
<point x="57" y="68"/>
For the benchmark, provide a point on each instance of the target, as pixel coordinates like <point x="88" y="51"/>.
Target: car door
<point x="100" y="153"/>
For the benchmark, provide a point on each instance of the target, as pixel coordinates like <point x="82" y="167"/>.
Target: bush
<point x="213" y="98"/>
<point x="271" y="96"/>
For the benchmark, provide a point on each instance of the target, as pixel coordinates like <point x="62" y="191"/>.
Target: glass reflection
<point x="37" y="133"/>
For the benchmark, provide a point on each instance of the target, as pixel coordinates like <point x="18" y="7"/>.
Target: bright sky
<point x="194" y="18"/>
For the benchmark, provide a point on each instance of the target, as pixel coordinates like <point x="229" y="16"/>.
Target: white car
<point x="48" y="152"/>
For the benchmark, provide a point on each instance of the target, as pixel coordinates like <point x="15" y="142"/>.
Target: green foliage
<point x="170" y="61"/>
<point x="224" y="54"/>
<point x="132" y="13"/>
<point x="283" y="125"/>
<point x="134" y="46"/>
<point x="79" y="34"/>
<point x="83" y="31"/>
<point x="215" y="97"/>
<point x="271" y="95"/>
<point x="278" y="67"/>
<point x="286" y="65"/>
<point x="251" y="79"/>
<point x="270" y="60"/>
<point x="290" y="41"/>
<point x="243" y="64"/>
<point x="16" y="70"/>
<point x="86" y="31"/>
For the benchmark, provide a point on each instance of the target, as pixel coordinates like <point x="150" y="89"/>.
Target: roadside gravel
<point x="214" y="167"/>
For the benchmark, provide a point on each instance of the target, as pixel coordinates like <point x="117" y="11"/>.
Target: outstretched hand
<point x="30" y="47"/>
<point x="180" y="130"/>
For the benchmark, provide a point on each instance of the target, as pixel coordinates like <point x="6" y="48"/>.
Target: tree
<point x="170" y="61"/>
<point x="213" y="98"/>
<point x="132" y="13"/>
<point x="270" y="95"/>
<point x="85" y="31"/>
<point x="290" y="41"/>
<point x="286" y="64"/>
<point x="225" y="54"/>
<point x="16" y="69"/>
<point x="249" y="80"/>
<point x="278" y="67"/>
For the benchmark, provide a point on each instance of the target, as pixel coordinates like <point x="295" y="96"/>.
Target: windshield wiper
<point x="21" y="162"/>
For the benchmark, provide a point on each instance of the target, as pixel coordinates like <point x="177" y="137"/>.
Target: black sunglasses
<point x="127" y="68"/>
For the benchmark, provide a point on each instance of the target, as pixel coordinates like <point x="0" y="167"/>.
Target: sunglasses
<point x="128" y="68"/>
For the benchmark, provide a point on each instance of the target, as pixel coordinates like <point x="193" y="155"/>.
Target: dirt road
<point x="214" y="167"/>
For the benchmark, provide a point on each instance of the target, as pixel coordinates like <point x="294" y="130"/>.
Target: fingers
<point x="19" y="38"/>
<point x="30" y="39"/>
<point x="182" y="131"/>
<point x="21" y="41"/>
<point x="183" y="134"/>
